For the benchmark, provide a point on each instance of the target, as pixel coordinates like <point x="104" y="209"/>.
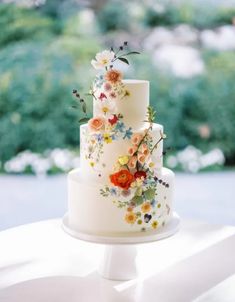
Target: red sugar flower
<point x="113" y="120"/>
<point x="139" y="174"/>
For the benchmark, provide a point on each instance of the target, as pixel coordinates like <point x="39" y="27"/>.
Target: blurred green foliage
<point x="114" y="16"/>
<point x="46" y="52"/>
<point x="39" y="69"/>
<point x="192" y="13"/>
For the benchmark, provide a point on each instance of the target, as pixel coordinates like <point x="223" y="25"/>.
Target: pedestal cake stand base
<point x="119" y="260"/>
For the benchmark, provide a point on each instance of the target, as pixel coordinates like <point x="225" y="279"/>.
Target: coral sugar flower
<point x="139" y="174"/>
<point x="122" y="179"/>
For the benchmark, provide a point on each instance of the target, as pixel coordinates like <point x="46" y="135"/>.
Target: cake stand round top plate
<point x="132" y="238"/>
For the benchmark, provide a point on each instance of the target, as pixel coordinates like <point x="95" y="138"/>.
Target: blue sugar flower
<point x="128" y="133"/>
<point x="153" y="203"/>
<point x="113" y="191"/>
<point x="113" y="136"/>
<point x="99" y="138"/>
<point x="120" y="127"/>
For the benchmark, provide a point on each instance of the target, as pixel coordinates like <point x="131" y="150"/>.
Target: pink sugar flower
<point x="141" y="158"/>
<point x="132" y="150"/>
<point x="112" y="95"/>
<point x="107" y="86"/>
<point x="144" y="149"/>
<point x="136" y="138"/>
<point x="132" y="162"/>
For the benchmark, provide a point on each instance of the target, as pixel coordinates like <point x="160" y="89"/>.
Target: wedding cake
<point x="121" y="187"/>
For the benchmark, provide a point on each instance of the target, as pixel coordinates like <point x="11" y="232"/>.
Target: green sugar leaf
<point x="149" y="194"/>
<point x="84" y="120"/>
<point x="137" y="200"/>
<point x="124" y="60"/>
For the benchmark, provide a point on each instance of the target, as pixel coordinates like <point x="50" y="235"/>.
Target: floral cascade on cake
<point x="122" y="186"/>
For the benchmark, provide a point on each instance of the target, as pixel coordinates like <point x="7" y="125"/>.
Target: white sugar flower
<point x="102" y="59"/>
<point x="105" y="108"/>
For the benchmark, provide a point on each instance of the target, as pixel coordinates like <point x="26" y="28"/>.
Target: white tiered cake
<point x="121" y="186"/>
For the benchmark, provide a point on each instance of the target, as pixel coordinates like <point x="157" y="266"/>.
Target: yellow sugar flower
<point x="107" y="138"/>
<point x="130" y="217"/>
<point x="151" y="164"/>
<point x="154" y="224"/>
<point x="123" y="160"/>
<point x="92" y="164"/>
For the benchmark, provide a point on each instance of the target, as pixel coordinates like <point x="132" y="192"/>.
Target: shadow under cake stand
<point x="119" y="259"/>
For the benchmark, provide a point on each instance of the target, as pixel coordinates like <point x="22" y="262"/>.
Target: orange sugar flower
<point x="130" y="217"/>
<point x="122" y="179"/>
<point x="146" y="207"/>
<point x="113" y="76"/>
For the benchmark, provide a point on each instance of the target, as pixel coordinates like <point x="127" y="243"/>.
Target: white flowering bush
<point x="193" y="160"/>
<point x="51" y="161"/>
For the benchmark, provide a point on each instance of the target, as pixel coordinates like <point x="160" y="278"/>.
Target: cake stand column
<point x="119" y="262"/>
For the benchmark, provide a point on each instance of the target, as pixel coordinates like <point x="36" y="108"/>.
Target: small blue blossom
<point x="113" y="191"/>
<point x="120" y="127"/>
<point x="128" y="133"/>
<point x="99" y="138"/>
<point x="114" y="137"/>
<point x="153" y="203"/>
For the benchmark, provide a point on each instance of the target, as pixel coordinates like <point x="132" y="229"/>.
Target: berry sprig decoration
<point x="83" y="106"/>
<point x="119" y="55"/>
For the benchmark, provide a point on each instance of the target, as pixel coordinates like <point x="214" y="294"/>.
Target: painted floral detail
<point x="146" y="207"/>
<point x="103" y="59"/>
<point x="107" y="86"/>
<point x="102" y="96"/>
<point x="140" y="174"/>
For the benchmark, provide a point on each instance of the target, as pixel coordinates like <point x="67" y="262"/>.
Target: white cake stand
<point x="119" y="260"/>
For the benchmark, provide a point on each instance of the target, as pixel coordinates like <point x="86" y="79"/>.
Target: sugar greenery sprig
<point x="118" y="55"/>
<point x="83" y="106"/>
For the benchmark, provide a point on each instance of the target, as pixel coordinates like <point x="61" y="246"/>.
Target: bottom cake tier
<point x="100" y="210"/>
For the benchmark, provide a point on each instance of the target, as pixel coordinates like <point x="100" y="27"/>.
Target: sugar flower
<point x="122" y="179"/>
<point x="103" y="59"/>
<point x="113" y="76"/>
<point x="136" y="138"/>
<point x="123" y="160"/>
<point x="132" y="162"/>
<point x="106" y="108"/>
<point x="130" y="217"/>
<point x="96" y="123"/>
<point x="146" y="207"/>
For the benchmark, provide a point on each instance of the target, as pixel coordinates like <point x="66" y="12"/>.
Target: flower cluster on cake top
<point x="107" y="88"/>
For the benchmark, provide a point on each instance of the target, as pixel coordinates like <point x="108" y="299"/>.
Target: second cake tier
<point x="101" y="153"/>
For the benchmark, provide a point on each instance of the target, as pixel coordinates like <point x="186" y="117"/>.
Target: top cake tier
<point x="130" y="99"/>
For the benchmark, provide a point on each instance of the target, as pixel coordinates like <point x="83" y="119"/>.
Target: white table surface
<point x="39" y="262"/>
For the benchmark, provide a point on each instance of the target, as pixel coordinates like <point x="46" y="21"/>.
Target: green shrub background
<point x="44" y="56"/>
